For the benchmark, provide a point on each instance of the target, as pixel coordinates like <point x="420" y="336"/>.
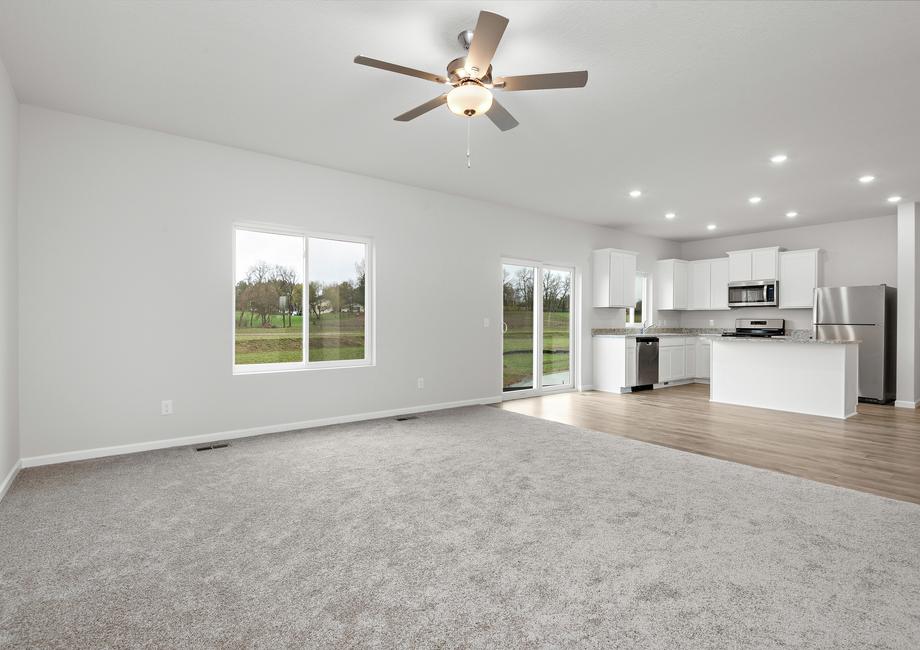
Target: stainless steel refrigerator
<point x="867" y="314"/>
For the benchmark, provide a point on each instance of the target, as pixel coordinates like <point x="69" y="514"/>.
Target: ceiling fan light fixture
<point x="469" y="99"/>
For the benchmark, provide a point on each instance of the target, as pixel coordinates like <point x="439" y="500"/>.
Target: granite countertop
<point x="787" y="339"/>
<point x="663" y="331"/>
<point x="792" y="336"/>
<point x="630" y="332"/>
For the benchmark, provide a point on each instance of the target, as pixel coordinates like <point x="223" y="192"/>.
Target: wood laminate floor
<point x="876" y="451"/>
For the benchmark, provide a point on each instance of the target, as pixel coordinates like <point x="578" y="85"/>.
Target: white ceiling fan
<point x="472" y="79"/>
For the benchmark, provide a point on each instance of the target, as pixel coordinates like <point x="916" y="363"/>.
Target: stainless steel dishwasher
<point x="646" y="361"/>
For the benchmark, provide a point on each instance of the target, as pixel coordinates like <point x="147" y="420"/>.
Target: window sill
<point x="242" y="371"/>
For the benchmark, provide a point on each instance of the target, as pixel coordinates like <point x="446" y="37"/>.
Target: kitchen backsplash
<point x="795" y="318"/>
<point x="689" y="331"/>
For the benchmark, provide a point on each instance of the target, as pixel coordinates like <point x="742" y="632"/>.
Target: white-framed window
<point x="639" y="314"/>
<point x="300" y="300"/>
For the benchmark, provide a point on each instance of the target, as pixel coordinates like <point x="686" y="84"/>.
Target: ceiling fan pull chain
<point x="468" y="120"/>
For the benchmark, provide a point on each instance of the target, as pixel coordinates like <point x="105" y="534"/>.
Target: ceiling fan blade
<point x="501" y="117"/>
<point x="424" y="108"/>
<point x="401" y="69"/>
<point x="488" y="32"/>
<point x="544" y="81"/>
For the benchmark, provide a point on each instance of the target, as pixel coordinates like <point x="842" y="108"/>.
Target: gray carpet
<point x="465" y="528"/>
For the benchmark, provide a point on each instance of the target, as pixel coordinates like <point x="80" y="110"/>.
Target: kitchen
<point x="779" y="360"/>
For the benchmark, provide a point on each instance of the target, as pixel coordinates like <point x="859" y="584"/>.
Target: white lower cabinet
<point x="690" y="357"/>
<point x="631" y="363"/>
<point x="678" y="362"/>
<point x="703" y="353"/>
<point x="614" y="363"/>
<point x="664" y="365"/>
<point x="680" y="358"/>
<point x="672" y="358"/>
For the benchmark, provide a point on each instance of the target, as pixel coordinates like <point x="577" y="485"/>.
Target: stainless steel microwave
<point x="753" y="293"/>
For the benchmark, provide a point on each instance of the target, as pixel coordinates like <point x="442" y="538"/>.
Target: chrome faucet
<point x="646" y="328"/>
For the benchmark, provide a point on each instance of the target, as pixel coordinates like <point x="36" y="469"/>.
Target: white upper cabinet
<point x="614" y="278"/>
<point x="798" y="277"/>
<point x="699" y="285"/>
<point x="765" y="263"/>
<point x="671" y="285"/>
<point x="630" y="264"/>
<point x="718" y="284"/>
<point x="740" y="266"/>
<point x="707" y="284"/>
<point x="753" y="264"/>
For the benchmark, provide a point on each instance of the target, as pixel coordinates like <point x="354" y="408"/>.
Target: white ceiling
<point x="685" y="100"/>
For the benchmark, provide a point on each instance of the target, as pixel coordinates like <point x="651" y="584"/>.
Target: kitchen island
<point x="786" y="374"/>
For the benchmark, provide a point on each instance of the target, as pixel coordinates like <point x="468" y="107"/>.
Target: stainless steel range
<point x="758" y="328"/>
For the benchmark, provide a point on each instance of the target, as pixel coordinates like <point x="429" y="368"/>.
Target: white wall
<point x="856" y="252"/>
<point x="9" y="273"/>
<point x="126" y="249"/>
<point x="908" y="381"/>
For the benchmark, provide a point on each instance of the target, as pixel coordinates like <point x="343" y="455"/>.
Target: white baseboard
<point x="906" y="404"/>
<point x="586" y="388"/>
<point x="101" y="452"/>
<point x="8" y="481"/>
<point x="675" y="382"/>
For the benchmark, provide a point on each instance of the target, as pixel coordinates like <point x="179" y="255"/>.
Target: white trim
<point x="8" y="481"/>
<point x="586" y="388"/>
<point x="906" y="404"/>
<point x="523" y="393"/>
<point x="530" y="392"/>
<point x="101" y="452"/>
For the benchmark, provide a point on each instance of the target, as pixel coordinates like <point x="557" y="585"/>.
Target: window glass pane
<point x="269" y="290"/>
<point x="640" y="298"/>
<point x="517" y="326"/>
<point x="336" y="300"/>
<point x="557" y="288"/>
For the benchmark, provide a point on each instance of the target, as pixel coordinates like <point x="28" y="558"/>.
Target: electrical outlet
<point x="485" y="322"/>
<point x="166" y="407"/>
<point x="421" y="382"/>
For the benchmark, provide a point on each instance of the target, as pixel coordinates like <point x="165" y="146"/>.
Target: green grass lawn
<point x="335" y="337"/>
<point x="517" y="345"/>
<point x="341" y="336"/>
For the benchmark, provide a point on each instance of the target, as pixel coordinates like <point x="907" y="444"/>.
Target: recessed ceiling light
<point x="792" y="215"/>
<point x="711" y="226"/>
<point x="779" y="159"/>
<point x="670" y="215"/>
<point x="894" y="199"/>
<point x="636" y="194"/>
<point x="754" y="200"/>
<point x="868" y="178"/>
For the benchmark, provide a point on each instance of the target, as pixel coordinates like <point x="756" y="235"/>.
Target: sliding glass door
<point x="557" y="327"/>
<point x="538" y="336"/>
<point x="518" y="327"/>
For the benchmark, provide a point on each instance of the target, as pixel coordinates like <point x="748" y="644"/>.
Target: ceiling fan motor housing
<point x="457" y="72"/>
